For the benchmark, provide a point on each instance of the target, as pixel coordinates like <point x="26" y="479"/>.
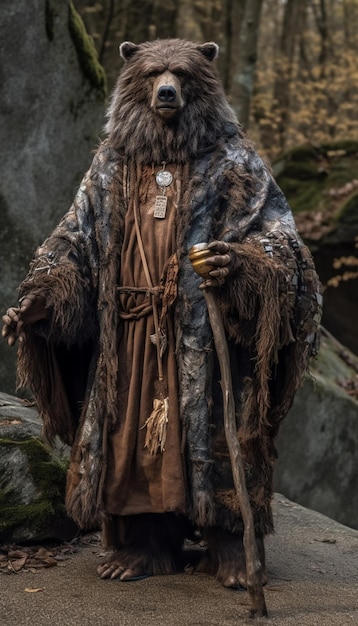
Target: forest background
<point x="289" y="67"/>
<point x="290" y="71"/>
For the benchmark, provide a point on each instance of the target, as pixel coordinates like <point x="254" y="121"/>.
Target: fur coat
<point x="270" y="306"/>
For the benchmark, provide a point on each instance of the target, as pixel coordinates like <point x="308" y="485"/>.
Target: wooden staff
<point x="197" y="256"/>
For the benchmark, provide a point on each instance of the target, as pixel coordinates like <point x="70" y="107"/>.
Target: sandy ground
<point x="313" y="580"/>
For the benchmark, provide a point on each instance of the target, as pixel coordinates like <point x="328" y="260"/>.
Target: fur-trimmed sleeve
<point x="274" y="284"/>
<point x="55" y="359"/>
<point x="64" y="272"/>
<point x="272" y="305"/>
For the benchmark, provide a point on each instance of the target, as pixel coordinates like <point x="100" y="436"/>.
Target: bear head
<point x="168" y="104"/>
<point x="169" y="76"/>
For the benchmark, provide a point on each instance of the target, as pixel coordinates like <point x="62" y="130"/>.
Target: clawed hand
<point x="222" y="260"/>
<point x="32" y="309"/>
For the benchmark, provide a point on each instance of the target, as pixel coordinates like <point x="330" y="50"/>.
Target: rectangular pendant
<point x="160" y="208"/>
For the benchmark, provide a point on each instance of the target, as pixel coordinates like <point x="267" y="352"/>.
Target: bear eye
<point x="153" y="74"/>
<point x="179" y="73"/>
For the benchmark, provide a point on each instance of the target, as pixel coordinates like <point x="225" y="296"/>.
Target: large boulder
<point x="318" y="440"/>
<point x="321" y="184"/>
<point x="52" y="108"/>
<point x="32" y="478"/>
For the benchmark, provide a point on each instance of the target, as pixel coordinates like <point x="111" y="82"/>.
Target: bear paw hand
<point x="222" y="262"/>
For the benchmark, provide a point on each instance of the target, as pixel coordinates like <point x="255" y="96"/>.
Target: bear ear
<point x="210" y="50"/>
<point x="127" y="49"/>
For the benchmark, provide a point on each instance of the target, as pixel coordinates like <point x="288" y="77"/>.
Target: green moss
<point x="37" y="518"/>
<point x="86" y="51"/>
<point x="348" y="145"/>
<point x="349" y="210"/>
<point x="306" y="152"/>
<point x="302" y="195"/>
<point x="330" y="364"/>
<point x="49" y="477"/>
<point x="307" y="174"/>
<point x="300" y="154"/>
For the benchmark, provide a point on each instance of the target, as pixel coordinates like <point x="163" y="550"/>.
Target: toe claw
<point x="231" y="582"/>
<point x="103" y="573"/>
<point x="109" y="570"/>
<point x="243" y="581"/>
<point x="128" y="574"/>
<point x="117" y="573"/>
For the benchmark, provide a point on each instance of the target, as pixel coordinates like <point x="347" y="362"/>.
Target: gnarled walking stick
<point x="197" y="256"/>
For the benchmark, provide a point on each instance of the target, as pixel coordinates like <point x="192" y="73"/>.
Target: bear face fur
<point x="169" y="104"/>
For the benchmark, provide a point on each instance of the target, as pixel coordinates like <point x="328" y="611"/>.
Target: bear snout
<point x="167" y="97"/>
<point x="167" y="93"/>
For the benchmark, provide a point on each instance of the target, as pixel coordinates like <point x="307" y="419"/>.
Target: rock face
<point x="32" y="479"/>
<point x="321" y="184"/>
<point x="318" y="440"/>
<point x="52" y="108"/>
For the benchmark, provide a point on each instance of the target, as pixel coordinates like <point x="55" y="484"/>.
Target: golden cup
<point x="198" y="255"/>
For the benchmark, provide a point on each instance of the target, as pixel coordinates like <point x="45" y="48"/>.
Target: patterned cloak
<point x="270" y="307"/>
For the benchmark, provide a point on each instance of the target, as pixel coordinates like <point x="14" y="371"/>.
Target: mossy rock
<point x="321" y="185"/>
<point x="86" y="51"/>
<point x="56" y="87"/>
<point x="322" y="180"/>
<point x="32" y="479"/>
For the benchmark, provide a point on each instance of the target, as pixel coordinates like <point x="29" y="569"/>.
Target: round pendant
<point x="164" y="178"/>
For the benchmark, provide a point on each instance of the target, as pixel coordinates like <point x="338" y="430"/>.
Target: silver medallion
<point x="164" y="178"/>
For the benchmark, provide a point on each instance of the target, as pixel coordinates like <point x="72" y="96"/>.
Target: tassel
<point x="156" y="425"/>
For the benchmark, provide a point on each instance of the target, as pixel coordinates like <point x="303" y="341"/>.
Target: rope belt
<point x="146" y="308"/>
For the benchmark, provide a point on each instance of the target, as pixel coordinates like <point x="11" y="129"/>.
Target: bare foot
<point x="144" y="545"/>
<point x="129" y="563"/>
<point x="237" y="579"/>
<point x="226" y="558"/>
<point x="116" y="567"/>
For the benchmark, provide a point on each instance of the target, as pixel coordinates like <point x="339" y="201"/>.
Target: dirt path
<point x="313" y="580"/>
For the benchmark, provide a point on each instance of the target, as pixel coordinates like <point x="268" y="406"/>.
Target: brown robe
<point x="138" y="481"/>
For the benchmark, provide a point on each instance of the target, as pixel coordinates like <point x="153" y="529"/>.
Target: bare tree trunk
<point x="294" y="13"/>
<point x="321" y="18"/>
<point x="163" y="19"/>
<point x="243" y="81"/>
<point x="207" y="14"/>
<point x="106" y="31"/>
<point x="350" y="29"/>
<point x="187" y="25"/>
<point x="113" y="21"/>
<point x="350" y="23"/>
<point x="105" y="22"/>
<point x="232" y="16"/>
